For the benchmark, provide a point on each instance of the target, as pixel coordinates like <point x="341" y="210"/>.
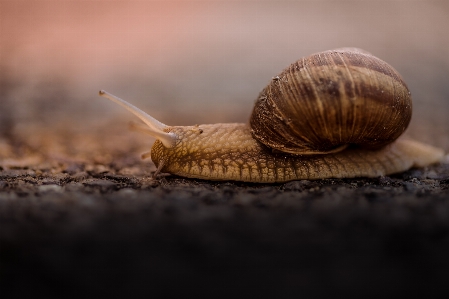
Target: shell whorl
<point x="328" y="100"/>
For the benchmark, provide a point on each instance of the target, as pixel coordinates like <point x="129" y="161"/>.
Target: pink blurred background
<point x="190" y="62"/>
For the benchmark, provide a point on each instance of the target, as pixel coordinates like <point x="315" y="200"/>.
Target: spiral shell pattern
<point x="324" y="102"/>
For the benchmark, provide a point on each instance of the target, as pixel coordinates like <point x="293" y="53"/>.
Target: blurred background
<point x="192" y="62"/>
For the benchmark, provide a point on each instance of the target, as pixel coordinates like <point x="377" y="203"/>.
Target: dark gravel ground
<point x="75" y="228"/>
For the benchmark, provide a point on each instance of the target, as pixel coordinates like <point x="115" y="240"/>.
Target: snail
<point x="333" y="114"/>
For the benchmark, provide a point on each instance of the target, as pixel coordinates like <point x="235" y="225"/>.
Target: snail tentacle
<point x="159" y="168"/>
<point x="156" y="128"/>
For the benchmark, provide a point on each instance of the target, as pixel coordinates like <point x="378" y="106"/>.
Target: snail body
<point x="334" y="114"/>
<point x="228" y="152"/>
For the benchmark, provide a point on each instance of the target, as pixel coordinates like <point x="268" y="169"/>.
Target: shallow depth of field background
<point x="191" y="62"/>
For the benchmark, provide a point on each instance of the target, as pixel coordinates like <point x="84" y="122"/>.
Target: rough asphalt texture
<point x="107" y="228"/>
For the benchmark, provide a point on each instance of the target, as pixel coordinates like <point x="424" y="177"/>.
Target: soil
<point x="103" y="226"/>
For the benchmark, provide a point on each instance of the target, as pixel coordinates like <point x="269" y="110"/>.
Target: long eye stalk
<point x="155" y="127"/>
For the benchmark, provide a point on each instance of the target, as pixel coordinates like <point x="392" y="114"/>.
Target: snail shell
<point x="323" y="102"/>
<point x="334" y="114"/>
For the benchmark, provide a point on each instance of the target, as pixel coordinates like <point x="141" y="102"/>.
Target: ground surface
<point x="68" y="226"/>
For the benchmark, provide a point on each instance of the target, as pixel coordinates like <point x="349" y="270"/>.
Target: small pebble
<point x="98" y="183"/>
<point x="409" y="186"/>
<point x="297" y="185"/>
<point x="50" y="188"/>
<point x="3" y="184"/>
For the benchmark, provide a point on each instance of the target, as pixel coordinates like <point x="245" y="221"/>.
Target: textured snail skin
<point x="228" y="152"/>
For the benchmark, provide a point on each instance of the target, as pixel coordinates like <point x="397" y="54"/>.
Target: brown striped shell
<point x="332" y="99"/>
